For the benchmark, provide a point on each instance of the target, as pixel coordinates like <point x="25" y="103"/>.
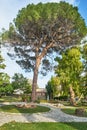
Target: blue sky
<point x="82" y="6"/>
<point x="9" y="10"/>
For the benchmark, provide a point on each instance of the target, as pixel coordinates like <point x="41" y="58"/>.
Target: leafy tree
<point x="53" y="87"/>
<point x="84" y="78"/>
<point x="2" y="65"/>
<point x="20" y="82"/>
<point x="39" y="30"/>
<point x="55" y="83"/>
<point x="49" y="90"/>
<point x="69" y="70"/>
<point x="5" y="86"/>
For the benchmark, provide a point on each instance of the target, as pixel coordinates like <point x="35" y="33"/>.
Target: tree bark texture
<point x="35" y="77"/>
<point x="37" y="63"/>
<point x="72" y="96"/>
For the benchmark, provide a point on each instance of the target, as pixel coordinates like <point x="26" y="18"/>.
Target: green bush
<point x="26" y="98"/>
<point x="53" y="101"/>
<point x="38" y="100"/>
<point x="62" y="98"/>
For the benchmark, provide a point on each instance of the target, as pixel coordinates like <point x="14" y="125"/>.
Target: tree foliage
<point x="20" y="82"/>
<point x="2" y="65"/>
<point x="85" y="57"/>
<point x="69" y="69"/>
<point x="84" y="78"/>
<point x="49" y="90"/>
<point x="53" y="87"/>
<point x="55" y="83"/>
<point x="39" y="30"/>
<point x="5" y="86"/>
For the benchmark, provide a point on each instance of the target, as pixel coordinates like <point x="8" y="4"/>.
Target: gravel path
<point x="54" y="115"/>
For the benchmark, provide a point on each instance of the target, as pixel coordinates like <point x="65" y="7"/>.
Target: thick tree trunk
<point x="72" y="96"/>
<point x="35" y="77"/>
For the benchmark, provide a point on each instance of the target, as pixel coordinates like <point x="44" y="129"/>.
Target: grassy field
<point x="44" y="126"/>
<point x="15" y="109"/>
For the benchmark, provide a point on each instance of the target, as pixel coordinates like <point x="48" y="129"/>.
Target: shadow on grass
<point x="78" y="125"/>
<point x="16" y="109"/>
<point x="55" y="115"/>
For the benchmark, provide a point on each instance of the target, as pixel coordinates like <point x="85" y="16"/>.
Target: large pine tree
<point x="42" y="29"/>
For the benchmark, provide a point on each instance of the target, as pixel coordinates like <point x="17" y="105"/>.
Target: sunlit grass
<point x="15" y="109"/>
<point x="10" y="99"/>
<point x="44" y="126"/>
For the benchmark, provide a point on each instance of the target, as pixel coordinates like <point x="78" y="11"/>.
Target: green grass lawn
<point x="44" y="126"/>
<point x="71" y="111"/>
<point x="10" y="99"/>
<point x="15" y="109"/>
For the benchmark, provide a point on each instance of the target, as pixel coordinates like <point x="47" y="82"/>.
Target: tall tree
<point x="69" y="70"/>
<point x="41" y="30"/>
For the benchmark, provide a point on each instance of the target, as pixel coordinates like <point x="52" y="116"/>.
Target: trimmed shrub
<point x="62" y="98"/>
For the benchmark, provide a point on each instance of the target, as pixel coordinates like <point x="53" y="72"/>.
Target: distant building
<point x="18" y="92"/>
<point x="41" y="93"/>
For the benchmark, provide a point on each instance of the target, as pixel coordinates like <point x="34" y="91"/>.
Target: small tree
<point x="55" y="83"/>
<point x="49" y="90"/>
<point x="53" y="87"/>
<point x="5" y="86"/>
<point x="41" y="30"/>
<point x="2" y="65"/>
<point x="20" y="82"/>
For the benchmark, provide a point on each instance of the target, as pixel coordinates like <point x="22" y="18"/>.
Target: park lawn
<point x="10" y="99"/>
<point x="15" y="109"/>
<point x="45" y="126"/>
<point x="71" y="111"/>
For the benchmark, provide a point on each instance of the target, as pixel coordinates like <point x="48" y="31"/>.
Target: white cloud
<point x="69" y="1"/>
<point x="73" y="2"/>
